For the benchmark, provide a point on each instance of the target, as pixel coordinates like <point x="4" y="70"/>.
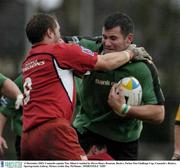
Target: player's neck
<point x="45" y="41"/>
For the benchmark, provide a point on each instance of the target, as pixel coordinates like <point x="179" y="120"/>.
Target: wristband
<point x="124" y="109"/>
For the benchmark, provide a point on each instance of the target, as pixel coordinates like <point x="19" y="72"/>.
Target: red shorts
<point x="53" y="140"/>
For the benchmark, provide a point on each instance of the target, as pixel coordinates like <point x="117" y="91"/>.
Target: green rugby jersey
<point x="15" y="116"/>
<point x="2" y="79"/>
<point x="97" y="116"/>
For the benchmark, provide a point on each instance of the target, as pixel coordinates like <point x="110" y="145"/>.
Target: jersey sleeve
<point x="2" y="79"/>
<point x="77" y="58"/>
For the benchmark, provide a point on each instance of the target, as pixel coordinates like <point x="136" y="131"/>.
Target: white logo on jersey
<point x="87" y="51"/>
<point x="32" y="64"/>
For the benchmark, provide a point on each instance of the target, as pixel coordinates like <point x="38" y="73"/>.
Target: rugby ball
<point x="132" y="90"/>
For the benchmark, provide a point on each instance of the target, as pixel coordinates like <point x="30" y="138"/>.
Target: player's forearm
<point x="148" y="113"/>
<point x="113" y="60"/>
<point x="10" y="89"/>
<point x="3" y="120"/>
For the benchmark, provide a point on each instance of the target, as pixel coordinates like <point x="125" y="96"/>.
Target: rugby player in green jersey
<point x="97" y="123"/>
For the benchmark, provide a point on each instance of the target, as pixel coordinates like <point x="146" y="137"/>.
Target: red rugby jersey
<point x="49" y="88"/>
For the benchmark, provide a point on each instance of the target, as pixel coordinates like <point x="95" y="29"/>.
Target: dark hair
<point x="119" y="19"/>
<point x="38" y="25"/>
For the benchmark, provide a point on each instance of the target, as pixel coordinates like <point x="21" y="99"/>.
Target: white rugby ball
<point x="132" y="90"/>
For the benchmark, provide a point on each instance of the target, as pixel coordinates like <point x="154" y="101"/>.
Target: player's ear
<point x="130" y="38"/>
<point x="50" y="33"/>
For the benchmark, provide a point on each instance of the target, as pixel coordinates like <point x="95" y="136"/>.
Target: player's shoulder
<point x="139" y="69"/>
<point x="140" y="65"/>
<point x="145" y="66"/>
<point x="61" y="48"/>
<point x="64" y="45"/>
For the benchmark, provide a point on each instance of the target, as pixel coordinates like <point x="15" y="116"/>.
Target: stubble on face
<point x="113" y="40"/>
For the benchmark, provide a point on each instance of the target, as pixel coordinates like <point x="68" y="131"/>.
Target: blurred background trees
<point x="156" y="28"/>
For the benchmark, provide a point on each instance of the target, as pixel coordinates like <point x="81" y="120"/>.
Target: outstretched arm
<point x="113" y="60"/>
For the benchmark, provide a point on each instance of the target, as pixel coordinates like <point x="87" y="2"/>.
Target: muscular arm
<point x="149" y="113"/>
<point x="114" y="60"/>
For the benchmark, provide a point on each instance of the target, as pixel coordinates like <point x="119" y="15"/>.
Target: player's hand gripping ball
<point x="132" y="90"/>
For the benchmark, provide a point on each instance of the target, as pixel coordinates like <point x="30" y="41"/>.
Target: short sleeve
<point x="76" y="58"/>
<point x="2" y="79"/>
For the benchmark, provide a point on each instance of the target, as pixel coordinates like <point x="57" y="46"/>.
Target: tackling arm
<point x="114" y="60"/>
